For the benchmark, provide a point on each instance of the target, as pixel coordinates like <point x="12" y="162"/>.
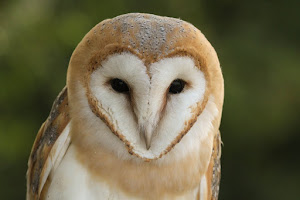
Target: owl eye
<point x="176" y="86"/>
<point x="119" y="86"/>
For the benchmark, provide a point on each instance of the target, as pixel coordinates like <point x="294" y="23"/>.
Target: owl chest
<point x="72" y="180"/>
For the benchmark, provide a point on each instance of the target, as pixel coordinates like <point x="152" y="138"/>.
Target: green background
<point x="258" y="46"/>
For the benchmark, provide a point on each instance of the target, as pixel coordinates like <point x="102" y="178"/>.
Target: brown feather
<point x="45" y="139"/>
<point x="213" y="173"/>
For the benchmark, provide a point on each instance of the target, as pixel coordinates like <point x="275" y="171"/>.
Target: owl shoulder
<point x="49" y="146"/>
<point x="213" y="174"/>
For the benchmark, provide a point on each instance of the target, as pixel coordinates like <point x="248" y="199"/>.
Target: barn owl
<point x="138" y="119"/>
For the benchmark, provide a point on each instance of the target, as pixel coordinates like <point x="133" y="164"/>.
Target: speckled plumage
<point x="85" y="130"/>
<point x="43" y="145"/>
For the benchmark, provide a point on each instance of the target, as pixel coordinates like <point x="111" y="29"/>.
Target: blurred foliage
<point x="258" y="46"/>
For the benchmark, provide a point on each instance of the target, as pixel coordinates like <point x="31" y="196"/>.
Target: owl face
<point x="138" y="85"/>
<point x="148" y="108"/>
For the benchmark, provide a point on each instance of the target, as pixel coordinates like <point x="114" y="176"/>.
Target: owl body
<point x="139" y="118"/>
<point x="85" y="186"/>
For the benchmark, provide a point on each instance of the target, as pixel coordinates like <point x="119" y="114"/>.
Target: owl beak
<point x="148" y="136"/>
<point x="148" y="140"/>
<point x="148" y="122"/>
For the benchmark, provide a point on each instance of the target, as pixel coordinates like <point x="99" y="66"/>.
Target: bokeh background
<point x="259" y="49"/>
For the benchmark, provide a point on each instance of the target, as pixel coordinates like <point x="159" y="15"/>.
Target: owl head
<point x="144" y="87"/>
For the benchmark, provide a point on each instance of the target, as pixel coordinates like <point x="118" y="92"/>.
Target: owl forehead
<point x="148" y="36"/>
<point x="151" y="38"/>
